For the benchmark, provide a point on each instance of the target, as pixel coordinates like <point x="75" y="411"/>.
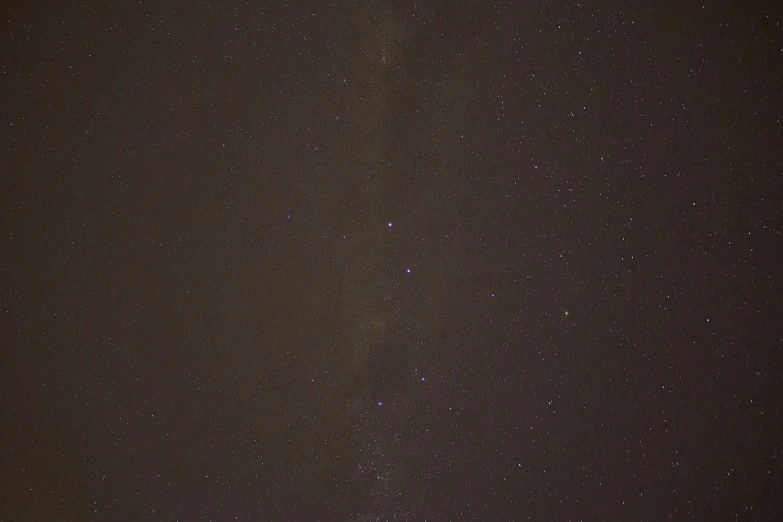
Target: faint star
<point x="390" y="224"/>
<point x="408" y="270"/>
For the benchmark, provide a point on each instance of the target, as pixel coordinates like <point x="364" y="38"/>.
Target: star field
<point x="391" y="260"/>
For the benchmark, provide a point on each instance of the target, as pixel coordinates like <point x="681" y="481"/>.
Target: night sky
<point x="384" y="260"/>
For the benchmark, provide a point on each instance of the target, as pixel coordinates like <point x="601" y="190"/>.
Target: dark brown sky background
<point x="391" y="260"/>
